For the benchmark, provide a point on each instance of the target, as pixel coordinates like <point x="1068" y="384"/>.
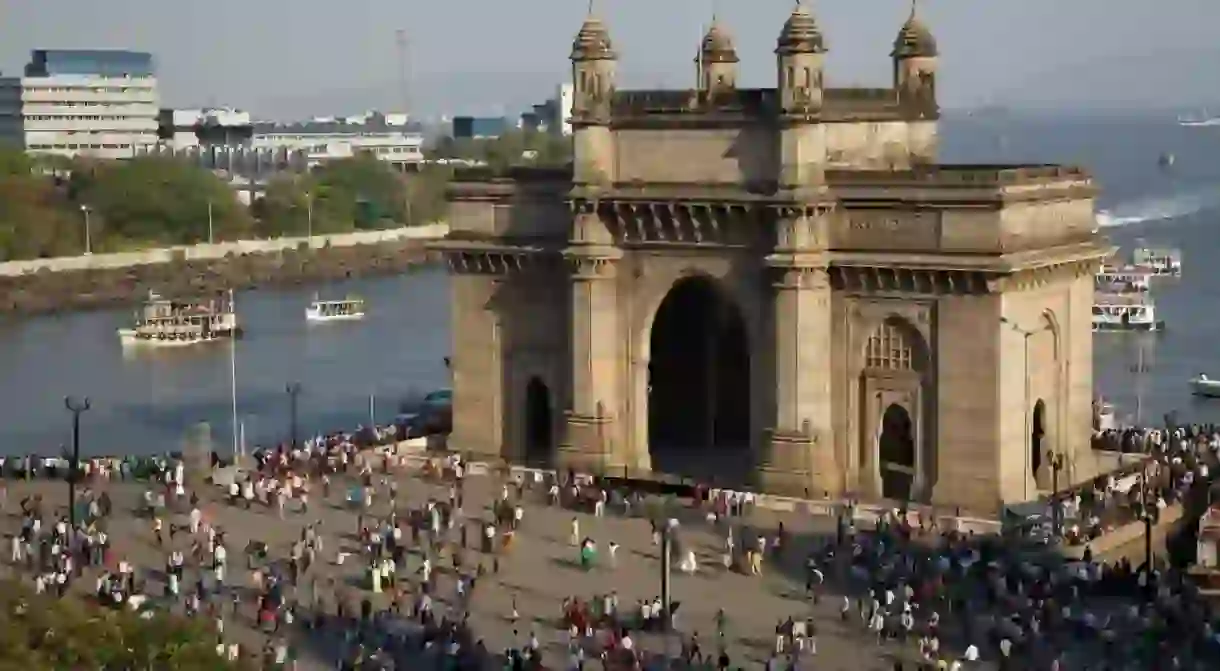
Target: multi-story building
<point x="185" y="128"/>
<point x="98" y="103"/>
<point x="552" y="116"/>
<point x="389" y="137"/>
<point x="478" y="128"/>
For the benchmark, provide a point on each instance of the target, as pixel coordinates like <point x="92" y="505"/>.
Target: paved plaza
<point x="537" y="574"/>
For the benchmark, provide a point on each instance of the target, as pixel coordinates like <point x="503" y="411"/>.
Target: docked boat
<point x="1160" y="262"/>
<point x="1125" y="312"/>
<point x="1201" y="385"/>
<point x="1127" y="279"/>
<point x="348" y="309"/>
<point x="164" y="322"/>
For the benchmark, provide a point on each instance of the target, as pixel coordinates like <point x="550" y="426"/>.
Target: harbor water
<point x="144" y="401"/>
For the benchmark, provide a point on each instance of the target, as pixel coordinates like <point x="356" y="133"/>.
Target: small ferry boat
<point x="1113" y="279"/>
<point x="1201" y="385"/>
<point x="1125" y="312"/>
<point x="348" y="309"/>
<point x="166" y="322"/>
<point x="1160" y="262"/>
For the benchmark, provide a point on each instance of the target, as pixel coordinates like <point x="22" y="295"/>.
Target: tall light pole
<point x="1026" y="334"/>
<point x="210" y="238"/>
<point x="293" y="389"/>
<point x="309" y="214"/>
<point x="85" y="209"/>
<point x="76" y="408"/>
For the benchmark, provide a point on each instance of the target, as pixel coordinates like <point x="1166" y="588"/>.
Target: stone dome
<point x="717" y="45"/>
<point x="801" y="34"/>
<point x="914" y="39"/>
<point x="592" y="42"/>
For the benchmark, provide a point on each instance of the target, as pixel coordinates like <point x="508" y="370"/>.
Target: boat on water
<point x="1199" y="121"/>
<point x="347" y="309"/>
<point x="164" y="322"/>
<point x="1163" y="262"/>
<point x="1201" y="385"/>
<point x="1125" y="279"/>
<point x="1125" y="312"/>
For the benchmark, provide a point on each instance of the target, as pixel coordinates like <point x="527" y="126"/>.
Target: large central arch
<point x="699" y="384"/>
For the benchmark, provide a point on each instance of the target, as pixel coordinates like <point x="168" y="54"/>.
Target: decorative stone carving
<point x="868" y="229"/>
<point x="801" y="278"/>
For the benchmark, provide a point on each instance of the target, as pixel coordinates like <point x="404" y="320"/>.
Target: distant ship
<point x="1203" y="120"/>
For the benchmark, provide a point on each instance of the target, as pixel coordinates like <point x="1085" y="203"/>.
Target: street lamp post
<point x="1056" y="459"/>
<point x="309" y="214"/>
<point x="294" y="390"/>
<point x="85" y="209"/>
<point x="76" y="408"/>
<point x="210" y="237"/>
<point x="666" y="569"/>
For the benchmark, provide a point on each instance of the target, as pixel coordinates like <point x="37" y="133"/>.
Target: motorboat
<point x="1201" y="385"/>
<point x="1111" y="279"/>
<point x="1125" y="312"/>
<point x="163" y="322"/>
<point x="1161" y="262"/>
<point x="347" y="309"/>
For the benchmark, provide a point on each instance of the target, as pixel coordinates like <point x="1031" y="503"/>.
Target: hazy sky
<point x="298" y="57"/>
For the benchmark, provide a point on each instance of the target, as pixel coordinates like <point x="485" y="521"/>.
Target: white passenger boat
<point x="1201" y="385"/>
<point x="1158" y="261"/>
<point x="1125" y="312"/>
<point x="1113" y="279"/>
<point x="181" y="323"/>
<point x="348" y="309"/>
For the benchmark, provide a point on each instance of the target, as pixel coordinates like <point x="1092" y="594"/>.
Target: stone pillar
<point x="798" y="449"/>
<point x="591" y="424"/>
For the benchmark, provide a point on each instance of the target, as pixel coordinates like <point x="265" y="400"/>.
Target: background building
<point x="475" y="128"/>
<point x="99" y="103"/>
<point x="389" y="137"/>
<point x="182" y="129"/>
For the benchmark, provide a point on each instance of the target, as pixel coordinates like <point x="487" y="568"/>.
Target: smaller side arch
<point x="539" y="432"/>
<point x="1037" y="438"/>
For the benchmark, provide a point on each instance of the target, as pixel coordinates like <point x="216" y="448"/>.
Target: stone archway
<point x="539" y="423"/>
<point x="898" y="457"/>
<point x="1037" y="437"/>
<point x="699" y="383"/>
<point x="896" y="451"/>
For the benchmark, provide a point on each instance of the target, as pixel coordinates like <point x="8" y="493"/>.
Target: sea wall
<point x="97" y="280"/>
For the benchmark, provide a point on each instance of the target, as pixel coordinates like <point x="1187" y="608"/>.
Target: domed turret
<point x="801" y="34"/>
<point x="592" y="43"/>
<point x="914" y="39"/>
<point x="717" y="45"/>
<point x="717" y="60"/>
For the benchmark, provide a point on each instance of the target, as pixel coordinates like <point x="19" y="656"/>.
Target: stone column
<point x="591" y="424"/>
<point x="798" y="450"/>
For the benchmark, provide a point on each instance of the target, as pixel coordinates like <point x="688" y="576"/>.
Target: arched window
<point x="889" y="349"/>
<point x="791" y="79"/>
<point x="807" y="78"/>
<point x="584" y="81"/>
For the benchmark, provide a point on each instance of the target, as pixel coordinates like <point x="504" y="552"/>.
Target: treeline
<point x="51" y="206"/>
<point x="46" y="202"/>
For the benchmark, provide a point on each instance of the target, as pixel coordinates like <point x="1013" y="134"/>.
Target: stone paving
<point x="539" y="572"/>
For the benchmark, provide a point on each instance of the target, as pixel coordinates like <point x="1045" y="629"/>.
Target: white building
<point x="187" y="128"/>
<point x="81" y="102"/>
<point x="388" y="137"/>
<point x="565" y="96"/>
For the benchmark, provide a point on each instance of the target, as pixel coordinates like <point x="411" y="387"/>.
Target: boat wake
<point x="1150" y="210"/>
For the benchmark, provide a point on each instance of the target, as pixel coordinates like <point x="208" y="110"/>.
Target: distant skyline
<point x="298" y="58"/>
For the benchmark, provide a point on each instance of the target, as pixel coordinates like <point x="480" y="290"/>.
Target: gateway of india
<point x="778" y="288"/>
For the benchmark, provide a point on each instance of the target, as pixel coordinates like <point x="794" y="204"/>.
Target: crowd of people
<point x="950" y="600"/>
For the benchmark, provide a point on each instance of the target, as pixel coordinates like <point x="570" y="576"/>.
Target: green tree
<point x="283" y="209"/>
<point x="33" y="222"/>
<point x="426" y="194"/>
<point x="361" y="192"/>
<point x="42" y="633"/>
<point x="154" y="201"/>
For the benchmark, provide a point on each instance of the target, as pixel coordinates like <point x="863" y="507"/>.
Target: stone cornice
<point x="898" y="280"/>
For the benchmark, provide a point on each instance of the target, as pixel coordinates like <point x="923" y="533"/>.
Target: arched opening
<point x="897" y="453"/>
<point x="1037" y="432"/>
<point x="539" y="426"/>
<point x="699" y="383"/>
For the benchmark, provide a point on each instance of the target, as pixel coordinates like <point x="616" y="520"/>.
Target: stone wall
<point x="70" y="283"/>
